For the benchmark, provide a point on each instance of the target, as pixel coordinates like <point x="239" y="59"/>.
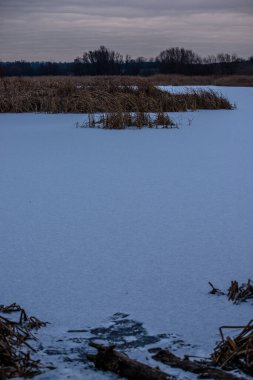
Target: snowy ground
<point x="97" y="222"/>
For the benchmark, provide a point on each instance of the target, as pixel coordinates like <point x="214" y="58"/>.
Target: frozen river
<point x="96" y="222"/>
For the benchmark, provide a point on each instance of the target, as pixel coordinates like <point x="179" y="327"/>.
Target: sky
<point x="60" y="30"/>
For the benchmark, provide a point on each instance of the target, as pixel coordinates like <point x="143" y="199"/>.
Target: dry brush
<point x="92" y="95"/>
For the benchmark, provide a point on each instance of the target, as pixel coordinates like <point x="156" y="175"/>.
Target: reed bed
<point x="124" y="120"/>
<point x="201" y="80"/>
<point x="93" y="95"/>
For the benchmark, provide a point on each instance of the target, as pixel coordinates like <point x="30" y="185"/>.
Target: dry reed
<point x="123" y="120"/>
<point x="235" y="352"/>
<point x="15" y="351"/>
<point x="92" y="95"/>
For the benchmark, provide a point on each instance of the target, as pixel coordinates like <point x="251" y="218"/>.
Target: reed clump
<point x="235" y="352"/>
<point x="92" y="95"/>
<point x="16" y="337"/>
<point x="236" y="292"/>
<point x="124" y="120"/>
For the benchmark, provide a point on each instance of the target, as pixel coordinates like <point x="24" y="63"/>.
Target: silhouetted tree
<point x="103" y="61"/>
<point x="172" y="60"/>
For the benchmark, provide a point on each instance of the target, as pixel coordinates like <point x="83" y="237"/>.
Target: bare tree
<point x="103" y="60"/>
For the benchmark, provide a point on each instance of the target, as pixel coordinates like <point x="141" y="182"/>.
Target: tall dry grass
<point x="199" y="80"/>
<point x="90" y="95"/>
<point x="124" y="120"/>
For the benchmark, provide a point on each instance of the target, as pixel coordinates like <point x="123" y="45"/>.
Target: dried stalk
<point x="15" y="351"/>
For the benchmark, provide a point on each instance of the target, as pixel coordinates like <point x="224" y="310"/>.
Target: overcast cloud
<point x="62" y="30"/>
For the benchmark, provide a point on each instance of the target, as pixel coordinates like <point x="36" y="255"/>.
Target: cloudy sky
<point x="63" y="29"/>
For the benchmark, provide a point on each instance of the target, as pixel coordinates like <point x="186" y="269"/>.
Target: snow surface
<point x="96" y="222"/>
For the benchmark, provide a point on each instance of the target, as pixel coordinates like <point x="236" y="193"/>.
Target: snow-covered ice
<point x="96" y="222"/>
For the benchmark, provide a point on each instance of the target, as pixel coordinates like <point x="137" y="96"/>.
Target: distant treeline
<point x="103" y="61"/>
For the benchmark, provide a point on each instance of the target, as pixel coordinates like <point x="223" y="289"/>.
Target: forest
<point x="103" y="61"/>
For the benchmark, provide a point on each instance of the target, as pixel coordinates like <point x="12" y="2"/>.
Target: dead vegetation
<point x="237" y="352"/>
<point x="123" y="120"/>
<point x="201" y="80"/>
<point x="236" y="293"/>
<point x="17" y="333"/>
<point x="15" y="351"/>
<point x="230" y="354"/>
<point x="204" y="369"/>
<point x="93" y="95"/>
<point x="108" y="358"/>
